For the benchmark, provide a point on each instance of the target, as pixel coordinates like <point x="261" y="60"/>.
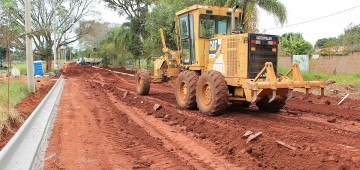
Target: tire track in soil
<point x="179" y="144"/>
<point x="185" y="147"/>
<point x="91" y="133"/>
<point x="169" y="101"/>
<point x="348" y="121"/>
<point x="310" y="135"/>
<point x="137" y="143"/>
<point x="310" y="119"/>
<point x="312" y="138"/>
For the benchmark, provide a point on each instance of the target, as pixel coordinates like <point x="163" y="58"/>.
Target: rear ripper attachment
<point x="272" y="84"/>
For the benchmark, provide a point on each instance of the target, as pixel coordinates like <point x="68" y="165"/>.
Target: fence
<point x="328" y="64"/>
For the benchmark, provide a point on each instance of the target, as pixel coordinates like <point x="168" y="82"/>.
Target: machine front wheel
<point x="212" y="93"/>
<point x="142" y="82"/>
<point x="185" y="89"/>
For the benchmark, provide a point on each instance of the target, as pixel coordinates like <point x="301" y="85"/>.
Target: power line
<point x="304" y="22"/>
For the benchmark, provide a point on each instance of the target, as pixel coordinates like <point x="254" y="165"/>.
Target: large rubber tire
<point x="212" y="93"/>
<point x="272" y="107"/>
<point x="142" y="82"/>
<point x="185" y="89"/>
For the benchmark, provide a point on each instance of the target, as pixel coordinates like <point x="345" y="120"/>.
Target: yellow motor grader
<point x="215" y="63"/>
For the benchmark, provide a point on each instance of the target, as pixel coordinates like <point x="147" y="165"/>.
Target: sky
<point x="108" y="15"/>
<point x="297" y="11"/>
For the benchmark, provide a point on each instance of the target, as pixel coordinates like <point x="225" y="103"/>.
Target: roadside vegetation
<point x="344" y="44"/>
<point x="8" y="113"/>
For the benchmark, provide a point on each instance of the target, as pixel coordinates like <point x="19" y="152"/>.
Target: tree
<point x="136" y="12"/>
<point x="67" y="13"/>
<point x="351" y="38"/>
<point x="9" y="31"/>
<point x="96" y="33"/>
<point x="294" y="44"/>
<point x="162" y="16"/>
<point x="347" y="42"/>
<point x="327" y="42"/>
<point x="250" y="17"/>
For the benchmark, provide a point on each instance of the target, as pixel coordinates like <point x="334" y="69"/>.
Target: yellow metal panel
<point x="173" y="72"/>
<point x="216" y="9"/>
<point x="239" y="92"/>
<point x="232" y="81"/>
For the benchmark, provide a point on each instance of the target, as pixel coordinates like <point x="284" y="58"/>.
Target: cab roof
<point x="207" y="9"/>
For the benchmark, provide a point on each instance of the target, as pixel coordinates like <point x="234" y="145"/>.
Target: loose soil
<point x="103" y="124"/>
<point x="29" y="103"/>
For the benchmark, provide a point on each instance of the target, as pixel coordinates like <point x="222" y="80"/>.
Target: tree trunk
<point x="48" y="63"/>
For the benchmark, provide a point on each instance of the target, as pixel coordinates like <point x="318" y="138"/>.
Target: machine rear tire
<point x="212" y="93"/>
<point x="272" y="107"/>
<point x="185" y="89"/>
<point x="142" y="82"/>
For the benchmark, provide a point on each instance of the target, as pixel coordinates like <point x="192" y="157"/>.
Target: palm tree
<point x="122" y="35"/>
<point x="250" y="16"/>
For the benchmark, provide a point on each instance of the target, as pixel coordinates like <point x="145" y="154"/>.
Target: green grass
<point x="352" y="79"/>
<point x="18" y="91"/>
<point x="9" y="116"/>
<point x="22" y="67"/>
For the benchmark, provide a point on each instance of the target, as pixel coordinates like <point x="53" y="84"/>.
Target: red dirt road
<point x="103" y="124"/>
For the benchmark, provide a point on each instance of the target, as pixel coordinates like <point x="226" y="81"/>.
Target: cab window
<point x="187" y="38"/>
<point x="184" y="27"/>
<point x="212" y="24"/>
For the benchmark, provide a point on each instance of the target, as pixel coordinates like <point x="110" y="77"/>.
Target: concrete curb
<point x="21" y="150"/>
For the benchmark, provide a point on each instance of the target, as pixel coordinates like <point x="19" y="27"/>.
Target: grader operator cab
<point x="215" y="63"/>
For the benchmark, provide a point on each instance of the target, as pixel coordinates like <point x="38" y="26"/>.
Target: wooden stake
<point x="343" y="99"/>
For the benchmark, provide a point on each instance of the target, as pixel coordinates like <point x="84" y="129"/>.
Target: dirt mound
<point x="123" y="69"/>
<point x="340" y="90"/>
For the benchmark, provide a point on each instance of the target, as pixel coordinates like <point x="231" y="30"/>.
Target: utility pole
<point x="29" y="50"/>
